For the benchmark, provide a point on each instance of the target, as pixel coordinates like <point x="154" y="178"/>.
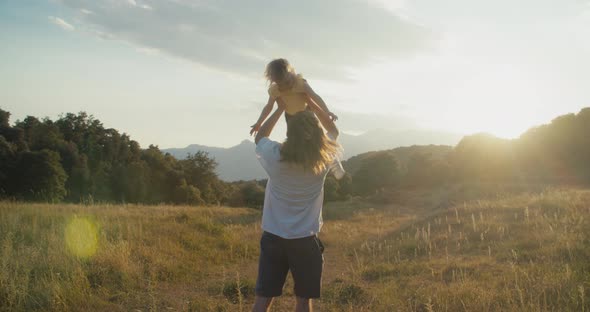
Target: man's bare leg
<point x="303" y="305"/>
<point x="261" y="304"/>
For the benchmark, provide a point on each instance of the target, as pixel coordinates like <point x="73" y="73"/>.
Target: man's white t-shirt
<point x="293" y="198"/>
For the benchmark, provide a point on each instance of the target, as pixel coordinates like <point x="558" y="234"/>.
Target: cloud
<point x="148" y="51"/>
<point x="392" y="5"/>
<point x="61" y="23"/>
<point x="324" y="37"/>
<point x="134" y="3"/>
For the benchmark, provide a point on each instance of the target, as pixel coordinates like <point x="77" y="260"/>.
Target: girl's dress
<point x="294" y="98"/>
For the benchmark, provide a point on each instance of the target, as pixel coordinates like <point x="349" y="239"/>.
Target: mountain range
<point x="239" y="162"/>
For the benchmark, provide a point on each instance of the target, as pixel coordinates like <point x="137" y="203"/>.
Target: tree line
<point x="76" y="159"/>
<point x="557" y="153"/>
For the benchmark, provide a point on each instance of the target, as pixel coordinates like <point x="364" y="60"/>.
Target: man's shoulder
<point x="266" y="140"/>
<point x="267" y="146"/>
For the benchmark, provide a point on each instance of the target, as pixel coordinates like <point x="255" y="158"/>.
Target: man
<point x="292" y="213"/>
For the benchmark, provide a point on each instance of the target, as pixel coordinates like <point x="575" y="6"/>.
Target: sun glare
<point x="81" y="237"/>
<point x="497" y="102"/>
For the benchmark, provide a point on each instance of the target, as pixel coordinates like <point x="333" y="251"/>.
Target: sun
<point x="500" y="102"/>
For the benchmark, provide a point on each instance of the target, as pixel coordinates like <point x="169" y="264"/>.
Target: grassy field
<point x="418" y="252"/>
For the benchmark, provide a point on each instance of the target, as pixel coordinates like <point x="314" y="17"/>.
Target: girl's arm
<point x="324" y="117"/>
<point x="318" y="100"/>
<point x="270" y="123"/>
<point x="265" y="111"/>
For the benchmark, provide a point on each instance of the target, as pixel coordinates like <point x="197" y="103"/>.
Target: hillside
<point x="382" y="139"/>
<point x="401" y="154"/>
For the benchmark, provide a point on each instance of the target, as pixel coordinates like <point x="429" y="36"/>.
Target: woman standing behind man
<point x="292" y="213"/>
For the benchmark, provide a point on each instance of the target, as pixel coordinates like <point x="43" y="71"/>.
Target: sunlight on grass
<point x="522" y="251"/>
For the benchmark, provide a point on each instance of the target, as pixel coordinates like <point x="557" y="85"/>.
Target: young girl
<point x="290" y="88"/>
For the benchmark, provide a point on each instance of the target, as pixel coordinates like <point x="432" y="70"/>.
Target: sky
<point x="178" y="72"/>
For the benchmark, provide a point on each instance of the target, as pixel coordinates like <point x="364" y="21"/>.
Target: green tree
<point x="162" y="178"/>
<point x="346" y="186"/>
<point x="253" y="194"/>
<point x="425" y="171"/>
<point x="199" y="170"/>
<point x="187" y="194"/>
<point x="40" y="134"/>
<point x="4" y="119"/>
<point x="376" y="172"/>
<point x="331" y="189"/>
<point x="41" y="176"/>
<point x="483" y="157"/>
<point x="7" y="164"/>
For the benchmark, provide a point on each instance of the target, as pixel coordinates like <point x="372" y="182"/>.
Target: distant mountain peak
<point x="239" y="162"/>
<point x="194" y="146"/>
<point x="378" y="131"/>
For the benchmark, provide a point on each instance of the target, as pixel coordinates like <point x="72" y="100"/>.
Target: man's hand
<point x="255" y="127"/>
<point x="333" y="116"/>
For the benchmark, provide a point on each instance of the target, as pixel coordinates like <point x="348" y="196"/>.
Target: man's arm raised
<point x="265" y="111"/>
<point x="316" y="98"/>
<point x="270" y="123"/>
<point x="324" y="118"/>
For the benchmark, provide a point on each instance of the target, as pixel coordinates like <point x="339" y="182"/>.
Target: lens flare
<point x="81" y="237"/>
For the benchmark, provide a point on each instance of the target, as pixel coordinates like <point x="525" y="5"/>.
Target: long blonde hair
<point x="307" y="145"/>
<point x="281" y="72"/>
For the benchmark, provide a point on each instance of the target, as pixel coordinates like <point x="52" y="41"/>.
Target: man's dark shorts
<point x="302" y="256"/>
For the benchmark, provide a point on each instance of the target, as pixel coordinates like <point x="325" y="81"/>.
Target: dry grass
<point x="525" y="252"/>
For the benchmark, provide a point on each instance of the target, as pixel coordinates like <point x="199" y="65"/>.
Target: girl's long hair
<point x="307" y="145"/>
<point x="281" y="72"/>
